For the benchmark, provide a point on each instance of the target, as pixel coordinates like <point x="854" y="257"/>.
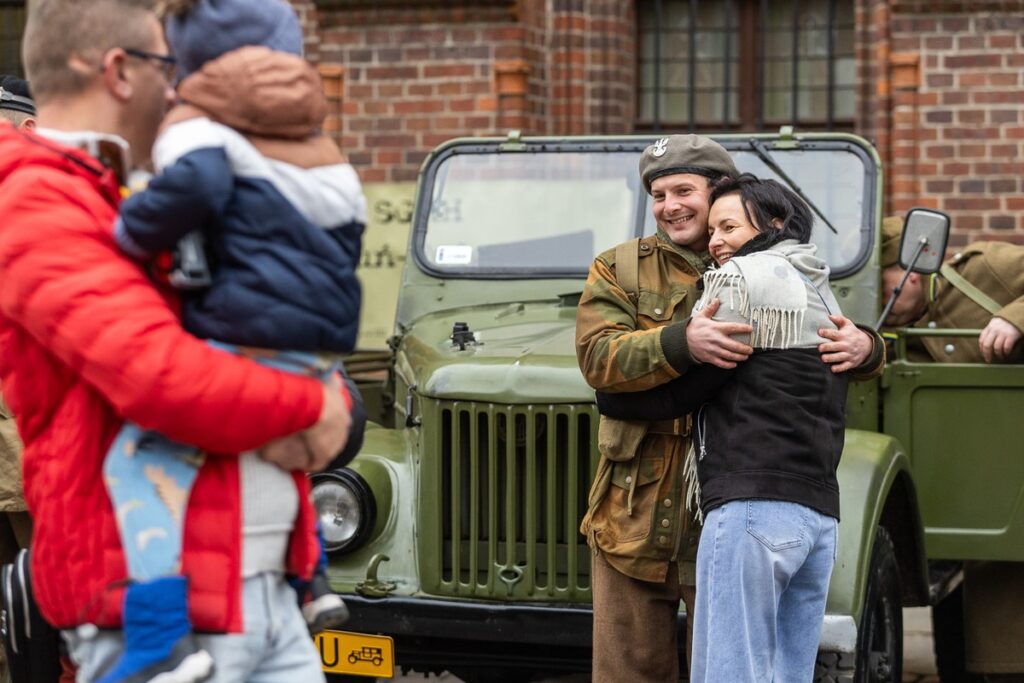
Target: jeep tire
<point x="879" y="655"/>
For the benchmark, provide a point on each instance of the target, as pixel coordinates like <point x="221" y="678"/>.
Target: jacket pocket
<point x="659" y="308"/>
<point x="633" y="496"/>
<point x="618" y="440"/>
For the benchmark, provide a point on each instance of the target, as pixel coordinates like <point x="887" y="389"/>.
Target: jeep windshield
<point x="546" y="209"/>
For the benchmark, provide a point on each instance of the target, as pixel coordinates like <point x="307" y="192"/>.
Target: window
<point x="12" y="23"/>
<point x="746" y="64"/>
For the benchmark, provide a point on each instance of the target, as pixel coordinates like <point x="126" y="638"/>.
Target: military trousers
<point x="635" y="625"/>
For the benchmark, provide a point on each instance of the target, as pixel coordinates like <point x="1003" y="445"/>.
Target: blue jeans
<point x="763" y="569"/>
<point x="275" y="646"/>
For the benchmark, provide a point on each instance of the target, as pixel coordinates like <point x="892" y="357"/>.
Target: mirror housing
<point x="926" y="230"/>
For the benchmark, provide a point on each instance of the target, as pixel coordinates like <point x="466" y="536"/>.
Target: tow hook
<point x="372" y="587"/>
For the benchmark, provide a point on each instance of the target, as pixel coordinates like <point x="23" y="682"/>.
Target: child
<point x="244" y="173"/>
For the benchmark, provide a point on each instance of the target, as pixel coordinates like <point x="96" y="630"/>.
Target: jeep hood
<point x="522" y="353"/>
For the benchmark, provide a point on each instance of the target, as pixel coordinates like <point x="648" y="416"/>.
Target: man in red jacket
<point x="89" y="341"/>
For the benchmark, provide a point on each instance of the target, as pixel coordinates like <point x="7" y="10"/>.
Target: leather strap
<point x="970" y="291"/>
<point x="679" y="427"/>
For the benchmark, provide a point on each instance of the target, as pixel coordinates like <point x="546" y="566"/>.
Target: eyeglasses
<point x="166" y="63"/>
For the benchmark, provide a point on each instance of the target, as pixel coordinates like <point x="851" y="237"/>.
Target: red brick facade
<point x="940" y="88"/>
<point x="943" y="97"/>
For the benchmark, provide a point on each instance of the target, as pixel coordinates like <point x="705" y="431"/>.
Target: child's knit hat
<point x="202" y="30"/>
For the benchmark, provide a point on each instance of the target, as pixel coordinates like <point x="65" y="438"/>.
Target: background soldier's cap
<point x="15" y="95"/>
<point x="685" y="154"/>
<point x="892" y="231"/>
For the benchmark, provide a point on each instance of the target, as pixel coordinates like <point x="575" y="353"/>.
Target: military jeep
<point x="455" y="531"/>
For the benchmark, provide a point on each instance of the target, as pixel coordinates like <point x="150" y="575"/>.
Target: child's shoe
<point x="158" y="640"/>
<point x="326" y="609"/>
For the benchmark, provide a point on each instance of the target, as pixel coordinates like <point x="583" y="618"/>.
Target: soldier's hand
<point x="847" y="347"/>
<point x="998" y="339"/>
<point x="710" y="341"/>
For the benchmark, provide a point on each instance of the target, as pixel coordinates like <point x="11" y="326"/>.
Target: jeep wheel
<point x="879" y="656"/>
<point x="880" y="636"/>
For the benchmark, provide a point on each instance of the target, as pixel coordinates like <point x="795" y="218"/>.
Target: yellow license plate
<point x="357" y="654"/>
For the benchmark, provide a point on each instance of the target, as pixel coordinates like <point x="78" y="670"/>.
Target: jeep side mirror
<point x="925" y="233"/>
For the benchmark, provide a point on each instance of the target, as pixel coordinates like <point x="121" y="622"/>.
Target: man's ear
<point x="113" y="75"/>
<point x="29" y="123"/>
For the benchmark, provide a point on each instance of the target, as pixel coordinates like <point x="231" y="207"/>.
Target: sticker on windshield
<point x="454" y="255"/>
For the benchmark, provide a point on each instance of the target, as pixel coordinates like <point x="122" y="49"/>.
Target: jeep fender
<point x="385" y="463"/>
<point x="876" y="488"/>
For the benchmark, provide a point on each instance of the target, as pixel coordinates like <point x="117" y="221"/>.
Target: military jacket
<point x="997" y="269"/>
<point x="11" y="499"/>
<point x="636" y="514"/>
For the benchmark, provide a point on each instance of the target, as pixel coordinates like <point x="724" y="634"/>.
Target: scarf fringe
<point x="691" y="484"/>
<point x="774" y="326"/>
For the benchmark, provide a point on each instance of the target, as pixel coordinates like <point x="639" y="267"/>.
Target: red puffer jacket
<point x="86" y="342"/>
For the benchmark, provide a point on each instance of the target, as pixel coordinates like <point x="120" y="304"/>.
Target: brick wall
<point x="947" y="111"/>
<point x="412" y="75"/>
<point x="940" y="88"/>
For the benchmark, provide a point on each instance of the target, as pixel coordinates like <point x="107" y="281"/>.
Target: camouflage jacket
<point x="997" y="269"/>
<point x="636" y="515"/>
<point x="11" y="499"/>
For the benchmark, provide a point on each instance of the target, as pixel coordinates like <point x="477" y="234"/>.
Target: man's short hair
<point x="58" y="31"/>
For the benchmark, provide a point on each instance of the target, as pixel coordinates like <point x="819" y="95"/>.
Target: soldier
<point x="16" y="103"/>
<point x="633" y="332"/>
<point x="16" y="106"/>
<point x="981" y="287"/>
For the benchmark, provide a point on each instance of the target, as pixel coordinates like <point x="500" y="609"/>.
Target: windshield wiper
<point x="769" y="161"/>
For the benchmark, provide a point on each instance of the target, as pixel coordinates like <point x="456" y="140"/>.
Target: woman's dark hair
<point x="764" y="201"/>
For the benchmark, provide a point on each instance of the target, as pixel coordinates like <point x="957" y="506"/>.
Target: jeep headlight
<point x="345" y="507"/>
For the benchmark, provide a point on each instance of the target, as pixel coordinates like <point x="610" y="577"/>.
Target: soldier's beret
<point x="892" y="232"/>
<point x="685" y="154"/>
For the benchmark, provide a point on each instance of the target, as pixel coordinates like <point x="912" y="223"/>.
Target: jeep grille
<point x="512" y="481"/>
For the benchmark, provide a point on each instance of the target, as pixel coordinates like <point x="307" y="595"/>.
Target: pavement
<point x="918" y="656"/>
<point x="918" y="652"/>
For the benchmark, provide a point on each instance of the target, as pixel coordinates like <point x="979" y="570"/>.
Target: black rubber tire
<point x="879" y="655"/>
<point x="948" y="632"/>
<point x="880" y="635"/>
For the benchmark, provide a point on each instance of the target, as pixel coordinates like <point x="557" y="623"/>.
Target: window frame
<point x="751" y="25"/>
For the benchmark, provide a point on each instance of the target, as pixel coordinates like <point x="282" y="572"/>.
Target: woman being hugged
<point x="768" y="435"/>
